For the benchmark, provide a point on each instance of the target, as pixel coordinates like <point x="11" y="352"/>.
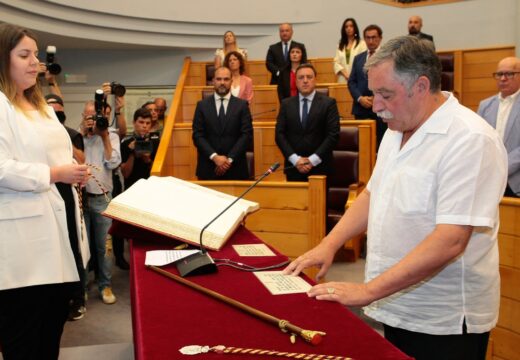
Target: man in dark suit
<point x="278" y="54"/>
<point x="222" y="130"/>
<point x="307" y="128"/>
<point x="414" y="28"/>
<point x="358" y="81"/>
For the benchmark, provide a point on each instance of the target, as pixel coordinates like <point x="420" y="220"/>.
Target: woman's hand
<point x="70" y="174"/>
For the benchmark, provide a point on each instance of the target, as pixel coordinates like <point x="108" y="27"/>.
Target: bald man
<point x="502" y="111"/>
<point x="414" y="28"/>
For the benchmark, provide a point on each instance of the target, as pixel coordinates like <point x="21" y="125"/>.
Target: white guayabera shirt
<point x="453" y="170"/>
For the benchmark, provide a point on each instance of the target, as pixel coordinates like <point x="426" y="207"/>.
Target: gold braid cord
<point x="293" y="355"/>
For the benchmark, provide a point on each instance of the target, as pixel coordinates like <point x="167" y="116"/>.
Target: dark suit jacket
<point x="230" y="140"/>
<point x="275" y="60"/>
<point x="358" y="86"/>
<point x="319" y="137"/>
<point x="284" y="83"/>
<point x="422" y="35"/>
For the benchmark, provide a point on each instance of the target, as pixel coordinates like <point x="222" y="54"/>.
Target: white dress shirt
<point x="504" y="109"/>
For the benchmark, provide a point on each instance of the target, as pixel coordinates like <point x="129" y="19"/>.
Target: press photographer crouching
<point x="138" y="150"/>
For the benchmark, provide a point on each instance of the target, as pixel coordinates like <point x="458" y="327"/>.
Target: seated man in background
<point x="307" y="129"/>
<point x="502" y="111"/>
<point x="222" y="131"/>
<point x="138" y="150"/>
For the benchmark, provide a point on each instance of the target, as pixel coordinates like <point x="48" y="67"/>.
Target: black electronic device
<point x="201" y="262"/>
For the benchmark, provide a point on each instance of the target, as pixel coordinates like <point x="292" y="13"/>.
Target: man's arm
<point x="127" y="157"/>
<point x="120" y="116"/>
<point x="111" y="149"/>
<point x="270" y="62"/>
<point x="352" y="223"/>
<point x="281" y="131"/>
<point x="444" y="244"/>
<point x="246" y="131"/>
<point x="332" y="119"/>
<point x="199" y="132"/>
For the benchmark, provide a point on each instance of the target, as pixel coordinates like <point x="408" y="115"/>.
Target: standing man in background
<point x="278" y="54"/>
<point x="414" y="28"/>
<point x="307" y="129"/>
<point x="222" y="131"/>
<point x="502" y="111"/>
<point x="362" y="96"/>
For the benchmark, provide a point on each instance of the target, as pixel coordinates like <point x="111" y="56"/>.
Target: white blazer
<point x="340" y="60"/>
<point x="34" y="242"/>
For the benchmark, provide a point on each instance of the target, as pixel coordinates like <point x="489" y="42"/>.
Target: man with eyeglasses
<point x="358" y="81"/>
<point x="502" y="111"/>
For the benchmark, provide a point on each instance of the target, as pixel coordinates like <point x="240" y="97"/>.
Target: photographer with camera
<point x="119" y="92"/>
<point x="102" y="152"/>
<point x="138" y="151"/>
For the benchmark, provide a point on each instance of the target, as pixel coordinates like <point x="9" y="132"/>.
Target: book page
<point x="165" y="257"/>
<point x="253" y="250"/>
<point x="279" y="284"/>
<point x="180" y="208"/>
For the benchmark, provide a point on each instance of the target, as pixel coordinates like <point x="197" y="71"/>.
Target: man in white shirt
<point x="102" y="153"/>
<point x="502" y="111"/>
<point x="430" y="211"/>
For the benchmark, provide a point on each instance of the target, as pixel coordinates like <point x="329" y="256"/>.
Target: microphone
<point x="285" y="168"/>
<point x="201" y="262"/>
<point x="262" y="113"/>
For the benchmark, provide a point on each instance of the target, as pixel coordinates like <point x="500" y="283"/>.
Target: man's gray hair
<point x="412" y="58"/>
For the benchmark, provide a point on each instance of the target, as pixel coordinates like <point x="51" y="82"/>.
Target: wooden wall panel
<point x="505" y="338"/>
<point x="506" y="344"/>
<point x="475" y="73"/>
<point x="325" y="70"/>
<point x="344" y="100"/>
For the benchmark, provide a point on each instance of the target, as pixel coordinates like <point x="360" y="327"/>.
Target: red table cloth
<point x="167" y="315"/>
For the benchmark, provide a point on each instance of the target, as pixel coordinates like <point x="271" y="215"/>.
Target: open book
<point x="180" y="209"/>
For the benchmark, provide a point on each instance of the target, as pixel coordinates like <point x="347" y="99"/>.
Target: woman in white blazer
<point x="37" y="267"/>
<point x="349" y="46"/>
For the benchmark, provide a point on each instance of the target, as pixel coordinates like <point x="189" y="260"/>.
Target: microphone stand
<point x="201" y="262"/>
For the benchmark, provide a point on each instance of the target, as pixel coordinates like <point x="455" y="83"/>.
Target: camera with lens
<point x="117" y="89"/>
<point x="53" y="67"/>
<point x="146" y="144"/>
<point x="99" y="118"/>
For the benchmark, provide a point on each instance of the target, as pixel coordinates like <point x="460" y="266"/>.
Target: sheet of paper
<point x="164" y="257"/>
<point x="253" y="250"/>
<point x="279" y="284"/>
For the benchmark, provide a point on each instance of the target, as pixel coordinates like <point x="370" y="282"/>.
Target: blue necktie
<point x="305" y="112"/>
<point x="285" y="52"/>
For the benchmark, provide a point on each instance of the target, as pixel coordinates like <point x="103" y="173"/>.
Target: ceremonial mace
<point x="311" y="336"/>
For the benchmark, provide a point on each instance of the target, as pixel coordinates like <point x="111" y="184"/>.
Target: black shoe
<point x="122" y="264"/>
<point x="77" y="313"/>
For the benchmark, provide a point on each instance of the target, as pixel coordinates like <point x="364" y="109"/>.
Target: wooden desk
<point x="167" y="316"/>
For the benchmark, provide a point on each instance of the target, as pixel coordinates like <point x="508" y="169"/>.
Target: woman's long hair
<point x="344" y="37"/>
<point x="10" y="37"/>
